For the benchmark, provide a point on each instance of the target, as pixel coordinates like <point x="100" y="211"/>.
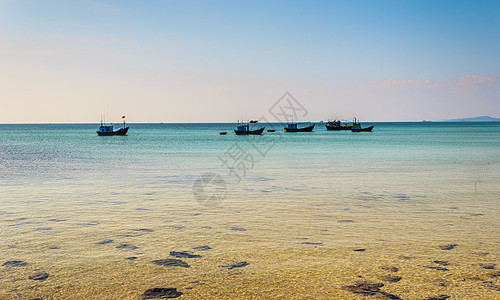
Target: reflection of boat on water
<point x="362" y="129"/>
<point x="105" y="130"/>
<point x="244" y="128"/>
<point x="294" y="127"/>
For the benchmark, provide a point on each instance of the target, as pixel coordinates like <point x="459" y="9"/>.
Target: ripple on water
<point x="127" y="247"/>
<point x="203" y="248"/>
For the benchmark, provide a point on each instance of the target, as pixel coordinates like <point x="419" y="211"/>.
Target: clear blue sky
<point x="202" y="61"/>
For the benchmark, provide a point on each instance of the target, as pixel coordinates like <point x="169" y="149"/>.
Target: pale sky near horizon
<point x="219" y="61"/>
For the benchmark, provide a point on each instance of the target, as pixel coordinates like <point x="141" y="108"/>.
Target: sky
<point x="172" y="61"/>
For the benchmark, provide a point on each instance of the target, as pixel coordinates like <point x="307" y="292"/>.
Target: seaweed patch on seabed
<point x="401" y="197"/>
<point x="203" y="248"/>
<point x="235" y="265"/>
<point x="237" y="229"/>
<point x="391" y="278"/>
<point x="171" y="262"/>
<point x="14" y="263"/>
<point x="183" y="254"/>
<point x="311" y="243"/>
<point x="367" y="196"/>
<point x="41" y="276"/>
<point x="127" y="247"/>
<point x="369" y="289"/>
<point x="142" y="229"/>
<point x="24" y="223"/>
<point x="161" y="293"/>
<point x="103" y="242"/>
<point x="93" y="223"/>
<point x="43" y="228"/>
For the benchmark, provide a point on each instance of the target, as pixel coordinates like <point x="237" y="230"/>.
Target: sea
<point x="407" y="211"/>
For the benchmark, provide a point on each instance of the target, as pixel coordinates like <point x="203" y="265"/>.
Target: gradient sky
<point x="216" y="61"/>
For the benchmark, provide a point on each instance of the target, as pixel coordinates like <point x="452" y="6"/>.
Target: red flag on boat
<point x="123" y="117"/>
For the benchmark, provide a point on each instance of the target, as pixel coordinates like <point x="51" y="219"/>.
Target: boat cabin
<point x="106" y="128"/>
<point x="291" y="126"/>
<point x="242" y="127"/>
<point x="335" y="123"/>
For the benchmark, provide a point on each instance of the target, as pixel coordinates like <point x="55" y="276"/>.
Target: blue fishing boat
<point x="244" y="128"/>
<point x="105" y="130"/>
<point x="294" y="127"/>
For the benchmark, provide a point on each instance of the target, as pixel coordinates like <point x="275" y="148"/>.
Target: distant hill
<point x="475" y="119"/>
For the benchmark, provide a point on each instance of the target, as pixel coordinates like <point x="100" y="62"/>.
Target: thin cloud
<point x="463" y="81"/>
<point x="408" y="83"/>
<point x="478" y="80"/>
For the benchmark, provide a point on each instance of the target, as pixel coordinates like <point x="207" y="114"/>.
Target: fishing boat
<point x="105" y="130"/>
<point x="253" y="121"/>
<point x="337" y="125"/>
<point x="244" y="128"/>
<point x="294" y="127"/>
<point x="362" y="129"/>
<point x="222" y="133"/>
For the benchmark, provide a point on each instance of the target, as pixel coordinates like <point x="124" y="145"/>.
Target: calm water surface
<point x="94" y="212"/>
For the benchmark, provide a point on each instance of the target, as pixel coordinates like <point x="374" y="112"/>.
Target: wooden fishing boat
<point x="337" y="125"/>
<point x="293" y="127"/>
<point x="106" y="130"/>
<point x="244" y="128"/>
<point x="362" y="129"/>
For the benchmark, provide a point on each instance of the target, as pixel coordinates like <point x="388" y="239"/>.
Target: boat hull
<point x="329" y="127"/>
<point x="258" y="131"/>
<point x="305" y="129"/>
<point x="121" y="131"/>
<point x="362" y="129"/>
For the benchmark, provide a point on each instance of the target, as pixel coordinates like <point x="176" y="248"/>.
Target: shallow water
<point x="295" y="207"/>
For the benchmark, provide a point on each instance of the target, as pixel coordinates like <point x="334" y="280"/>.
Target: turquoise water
<point x="35" y="153"/>
<point x="403" y="190"/>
